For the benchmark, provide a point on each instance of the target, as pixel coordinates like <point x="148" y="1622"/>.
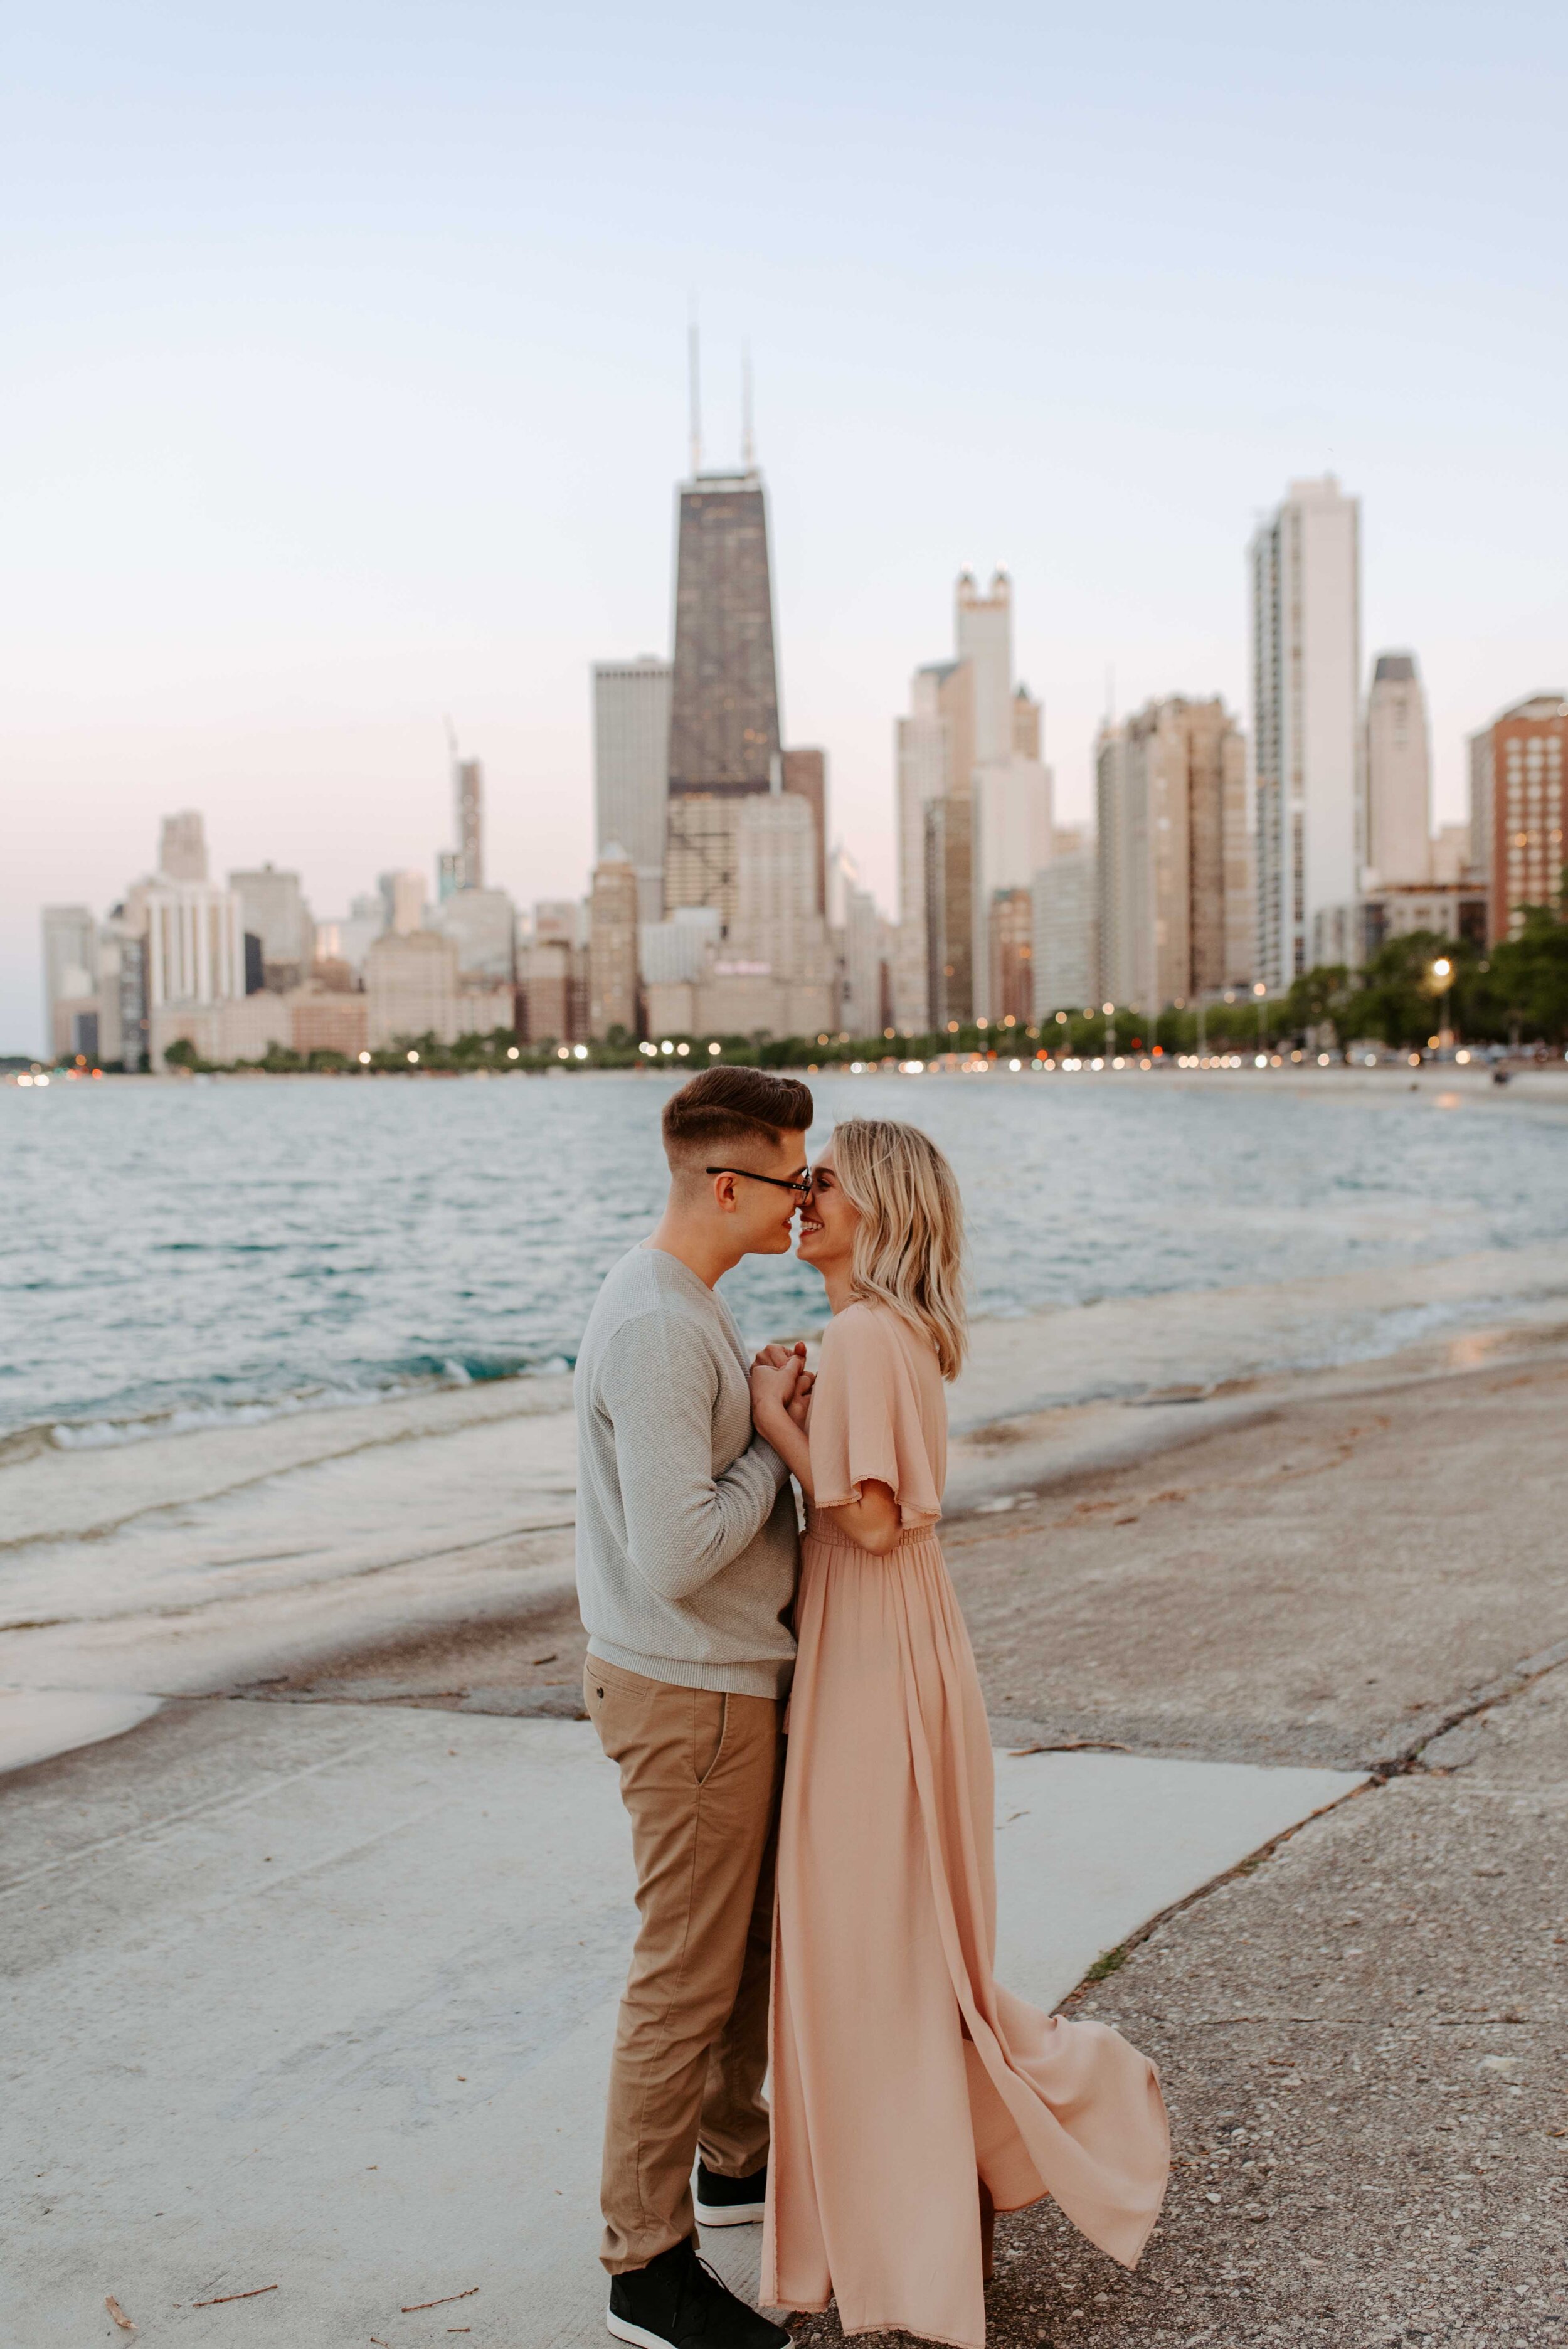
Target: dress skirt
<point x="901" y="2074"/>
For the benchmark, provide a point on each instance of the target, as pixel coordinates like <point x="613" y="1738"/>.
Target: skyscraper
<point x="1013" y="829"/>
<point x="70" y="951"/>
<point x="960" y="886"/>
<point x="964" y="720"/>
<point x="1518" y="775"/>
<point x="779" y="922"/>
<point x="1478" y="746"/>
<point x="724" y="690"/>
<point x="1012" y="832"/>
<point x="724" y="700"/>
<point x="1305" y="575"/>
<point x="70" y="977"/>
<point x="1066" y="968"/>
<point x="1399" y="772"/>
<point x="1122" y="912"/>
<point x="182" y="847"/>
<point x="632" y="768"/>
<point x="272" y="911"/>
<point x="1176" y="912"/>
<point x="933" y="744"/>
<point x="805" y="773"/>
<point x="403" y="901"/>
<point x="613" y="944"/>
<point x="482" y="925"/>
<point x="858" y="932"/>
<point x="468" y="791"/>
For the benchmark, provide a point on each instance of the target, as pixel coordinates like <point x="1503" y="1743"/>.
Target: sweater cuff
<point x="771" y="1460"/>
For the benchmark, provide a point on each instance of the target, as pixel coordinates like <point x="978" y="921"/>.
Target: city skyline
<point x="1205" y="865"/>
<point x="354" y="398"/>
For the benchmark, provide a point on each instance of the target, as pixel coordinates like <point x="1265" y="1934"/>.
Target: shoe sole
<point x="730" y="2214"/>
<point x="622" y="2329"/>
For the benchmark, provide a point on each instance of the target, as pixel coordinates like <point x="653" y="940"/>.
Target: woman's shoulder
<point x="868" y="1329"/>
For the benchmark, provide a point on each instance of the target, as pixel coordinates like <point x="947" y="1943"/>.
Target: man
<point x="686" y="1563"/>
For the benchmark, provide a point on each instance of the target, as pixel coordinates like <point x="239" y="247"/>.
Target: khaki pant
<point x="700" y="1776"/>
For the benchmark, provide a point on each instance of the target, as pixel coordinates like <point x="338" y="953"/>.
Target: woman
<point x="912" y="2096"/>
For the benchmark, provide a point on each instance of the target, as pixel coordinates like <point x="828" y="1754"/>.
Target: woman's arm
<point x="871" y="1523"/>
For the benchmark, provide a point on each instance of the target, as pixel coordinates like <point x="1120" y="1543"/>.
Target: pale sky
<point x="345" y="385"/>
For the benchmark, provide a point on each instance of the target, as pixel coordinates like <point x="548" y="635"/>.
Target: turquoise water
<point x="187" y="1252"/>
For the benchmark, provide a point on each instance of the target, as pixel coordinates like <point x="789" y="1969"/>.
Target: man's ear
<point x="724" y="1194"/>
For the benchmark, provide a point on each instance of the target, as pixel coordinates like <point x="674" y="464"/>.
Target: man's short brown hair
<point x="723" y="1107"/>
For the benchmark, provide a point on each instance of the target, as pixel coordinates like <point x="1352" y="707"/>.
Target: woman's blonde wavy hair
<point x="909" y="1244"/>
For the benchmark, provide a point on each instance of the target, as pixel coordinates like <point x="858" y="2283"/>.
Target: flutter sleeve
<point x="866" y="1425"/>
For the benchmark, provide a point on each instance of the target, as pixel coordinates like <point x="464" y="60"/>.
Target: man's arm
<point x="683" y="1524"/>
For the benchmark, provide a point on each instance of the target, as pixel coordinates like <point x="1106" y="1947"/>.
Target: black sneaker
<point x="676" y="2301"/>
<point x="730" y="2201"/>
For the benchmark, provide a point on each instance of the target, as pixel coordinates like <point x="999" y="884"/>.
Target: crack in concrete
<point x="1406" y="1764"/>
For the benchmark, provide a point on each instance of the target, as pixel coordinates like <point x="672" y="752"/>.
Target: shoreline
<point x="1474" y="1081"/>
<point x="223" y="1557"/>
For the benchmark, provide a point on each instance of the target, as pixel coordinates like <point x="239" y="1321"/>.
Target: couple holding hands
<point x="819" y="1908"/>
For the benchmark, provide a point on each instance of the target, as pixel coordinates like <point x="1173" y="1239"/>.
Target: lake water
<point x="181" y="1254"/>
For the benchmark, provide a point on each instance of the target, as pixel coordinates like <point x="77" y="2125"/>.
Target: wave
<point x="1336" y="1340"/>
<point x="419" y="1374"/>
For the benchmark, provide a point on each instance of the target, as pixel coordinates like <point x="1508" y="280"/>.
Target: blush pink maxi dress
<point x="902" y="2073"/>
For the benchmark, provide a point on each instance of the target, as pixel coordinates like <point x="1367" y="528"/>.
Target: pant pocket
<point x="708" y="1733"/>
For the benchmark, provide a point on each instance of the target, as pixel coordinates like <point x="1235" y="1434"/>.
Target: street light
<point x="1443" y="977"/>
<point x="1110" y="1012"/>
<point x="1259" y="990"/>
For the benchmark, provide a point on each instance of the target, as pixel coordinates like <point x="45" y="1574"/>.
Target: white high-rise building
<point x="1066" y="927"/>
<point x="969" y="779"/>
<point x="769" y="970"/>
<point x="632" y="768"/>
<point x="273" y="910"/>
<point x="403" y="901"/>
<point x="1305" y="574"/>
<point x="859" y="933"/>
<point x="195" y="945"/>
<point x="1013" y="829"/>
<point x="1120" y="870"/>
<point x="927" y="741"/>
<point x="1398" y="773"/>
<point x="777" y="921"/>
<point x="483" y="924"/>
<point x="983" y="634"/>
<point x="72" y="957"/>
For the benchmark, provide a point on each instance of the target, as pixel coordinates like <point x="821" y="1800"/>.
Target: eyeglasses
<point x="800" y="1184"/>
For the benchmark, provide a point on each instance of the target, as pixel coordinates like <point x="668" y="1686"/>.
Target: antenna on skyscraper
<point x="451" y="738"/>
<point x="694" y="391"/>
<point x="747" y="437"/>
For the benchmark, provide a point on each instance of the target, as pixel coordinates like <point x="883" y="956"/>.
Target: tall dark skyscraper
<point x="724" y="745"/>
<point x="723" y="707"/>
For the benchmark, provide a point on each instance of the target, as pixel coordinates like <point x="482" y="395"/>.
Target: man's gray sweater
<point x="686" y="1549"/>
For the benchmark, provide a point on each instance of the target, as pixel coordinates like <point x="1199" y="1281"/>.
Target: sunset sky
<point x="344" y="386"/>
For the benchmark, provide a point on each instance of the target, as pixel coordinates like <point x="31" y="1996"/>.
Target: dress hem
<point x="877" y="2325"/>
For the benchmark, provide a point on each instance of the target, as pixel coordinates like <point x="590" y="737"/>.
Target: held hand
<point x="773" y="1390"/>
<point x="801" y="1402"/>
<point x="776" y="1356"/>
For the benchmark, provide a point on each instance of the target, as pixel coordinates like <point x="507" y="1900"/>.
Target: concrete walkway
<point x="320" y="1998"/>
